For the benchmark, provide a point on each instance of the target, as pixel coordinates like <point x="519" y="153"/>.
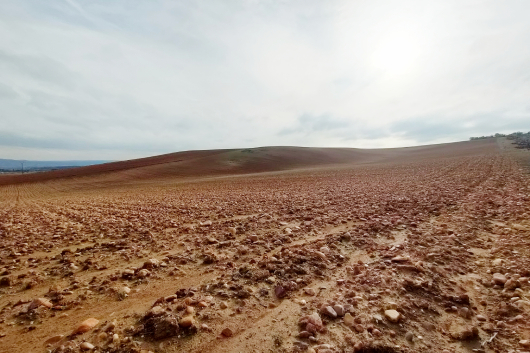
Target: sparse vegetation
<point x="487" y="137"/>
<point x="521" y="139"/>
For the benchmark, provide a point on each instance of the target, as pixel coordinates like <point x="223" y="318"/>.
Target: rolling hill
<point x="190" y="164"/>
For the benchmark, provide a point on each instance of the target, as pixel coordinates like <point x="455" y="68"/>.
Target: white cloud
<point x="129" y="79"/>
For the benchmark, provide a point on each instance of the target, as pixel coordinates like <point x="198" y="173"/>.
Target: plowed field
<point x="421" y="249"/>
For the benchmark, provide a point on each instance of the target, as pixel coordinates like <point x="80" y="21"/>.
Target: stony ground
<point x="427" y="255"/>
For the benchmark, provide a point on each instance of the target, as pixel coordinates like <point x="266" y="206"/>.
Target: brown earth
<point x="274" y="249"/>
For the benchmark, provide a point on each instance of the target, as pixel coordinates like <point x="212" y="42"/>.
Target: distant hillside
<point x="193" y="164"/>
<point x="17" y="165"/>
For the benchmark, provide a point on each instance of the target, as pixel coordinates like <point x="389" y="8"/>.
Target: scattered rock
<point x="328" y="311"/>
<point x="499" y="278"/>
<point x="510" y="284"/>
<point x="525" y="343"/>
<point x="227" y="332"/>
<point x="151" y="263"/>
<point x="392" y="315"/>
<point x="53" y="340"/>
<point x="187" y="321"/>
<point x="86" y="326"/>
<point x="310" y="291"/>
<point x="143" y="273"/>
<point x="400" y="259"/>
<point x="40" y="302"/>
<point x="496" y="262"/>
<point x="339" y="309"/>
<point x="312" y="323"/>
<point x="85" y="346"/>
<point x="465" y="333"/>
<point x="160" y="327"/>
<point x="155" y="311"/>
<point x="280" y="292"/>
<point x="348" y="320"/>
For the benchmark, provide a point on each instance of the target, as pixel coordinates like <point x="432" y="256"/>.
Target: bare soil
<point x="278" y="249"/>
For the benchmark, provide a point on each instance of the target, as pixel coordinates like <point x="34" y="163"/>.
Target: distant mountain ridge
<point x="16" y="164"/>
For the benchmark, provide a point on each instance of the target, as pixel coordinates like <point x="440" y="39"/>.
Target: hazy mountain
<point x="15" y="164"/>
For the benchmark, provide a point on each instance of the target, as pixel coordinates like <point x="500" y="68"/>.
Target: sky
<point x="116" y="79"/>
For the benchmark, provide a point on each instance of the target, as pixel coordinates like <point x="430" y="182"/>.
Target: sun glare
<point x="397" y="53"/>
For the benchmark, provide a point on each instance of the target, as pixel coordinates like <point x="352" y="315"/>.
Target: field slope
<point x="193" y="164"/>
<point x="272" y="249"/>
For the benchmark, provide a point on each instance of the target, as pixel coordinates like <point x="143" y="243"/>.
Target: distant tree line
<point x="521" y="139"/>
<point x="487" y="137"/>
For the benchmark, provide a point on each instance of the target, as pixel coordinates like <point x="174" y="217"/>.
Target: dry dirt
<point x="272" y="250"/>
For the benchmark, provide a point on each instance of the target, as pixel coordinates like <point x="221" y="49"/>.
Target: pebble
<point x="499" y="279"/>
<point x="271" y="279"/>
<point x="525" y="343"/>
<point x="103" y="336"/>
<point x="392" y="315"/>
<point x="143" y="273"/>
<point x="127" y="273"/>
<point x="339" y="309"/>
<point x="400" y="259"/>
<point x="227" y="332"/>
<point x="86" y="326"/>
<point x="310" y="291"/>
<point x="280" y="292"/>
<point x="40" y="302"/>
<point x="464" y="312"/>
<point x="465" y="333"/>
<point x="328" y="311"/>
<point x="305" y="334"/>
<point x="301" y="345"/>
<point x="188" y="321"/>
<point x="510" y="284"/>
<point x="409" y="336"/>
<point x="109" y="327"/>
<point x="53" y="340"/>
<point x="321" y="255"/>
<point x="151" y="263"/>
<point x="348" y="320"/>
<point x="85" y="346"/>
<point x="497" y="262"/>
<point x="156" y="310"/>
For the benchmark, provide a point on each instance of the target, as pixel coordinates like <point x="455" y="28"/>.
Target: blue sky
<point x="125" y="79"/>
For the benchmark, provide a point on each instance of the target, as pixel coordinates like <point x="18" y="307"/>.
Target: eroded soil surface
<point x="425" y="255"/>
